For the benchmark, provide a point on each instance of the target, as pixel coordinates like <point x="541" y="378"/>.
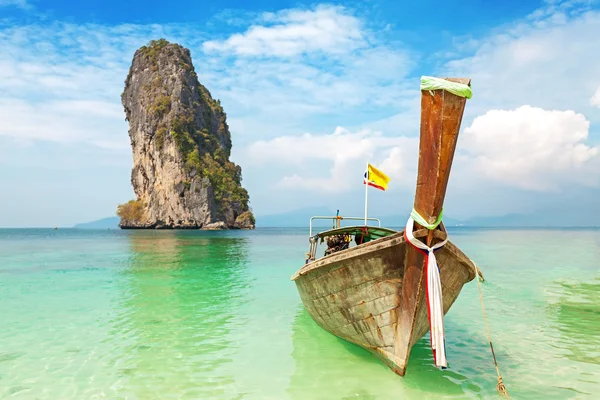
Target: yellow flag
<point x="376" y="178"/>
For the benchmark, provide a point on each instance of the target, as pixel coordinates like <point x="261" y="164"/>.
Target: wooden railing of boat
<point x="336" y="220"/>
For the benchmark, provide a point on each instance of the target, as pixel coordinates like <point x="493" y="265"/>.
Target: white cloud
<point x="91" y="122"/>
<point x="401" y="162"/>
<point x="43" y="64"/>
<point x="342" y="154"/>
<point x="531" y="148"/>
<point x="282" y="91"/>
<point x="538" y="62"/>
<point x="291" y="32"/>
<point x="51" y="89"/>
<point x="527" y="148"/>
<point x="24" y="4"/>
<point x="62" y="82"/>
<point x="595" y="100"/>
<point x="548" y="61"/>
<point x="297" y="93"/>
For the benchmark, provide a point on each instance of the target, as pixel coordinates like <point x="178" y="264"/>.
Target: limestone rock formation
<point x="181" y="175"/>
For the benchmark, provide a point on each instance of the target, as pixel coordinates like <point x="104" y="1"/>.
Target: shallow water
<point x="159" y="315"/>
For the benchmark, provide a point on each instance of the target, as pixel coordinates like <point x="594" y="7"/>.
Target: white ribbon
<point x="435" y="305"/>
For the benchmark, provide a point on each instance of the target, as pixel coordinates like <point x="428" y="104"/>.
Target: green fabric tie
<point x="459" y="89"/>
<point x="421" y="221"/>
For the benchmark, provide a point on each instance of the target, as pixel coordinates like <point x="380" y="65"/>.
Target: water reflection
<point x="181" y="300"/>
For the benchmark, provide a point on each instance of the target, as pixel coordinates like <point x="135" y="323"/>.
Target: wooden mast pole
<point x="441" y="116"/>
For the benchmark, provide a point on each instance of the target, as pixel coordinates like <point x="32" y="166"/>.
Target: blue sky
<point x="312" y="92"/>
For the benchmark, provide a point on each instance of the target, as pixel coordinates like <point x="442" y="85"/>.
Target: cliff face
<point x="181" y="175"/>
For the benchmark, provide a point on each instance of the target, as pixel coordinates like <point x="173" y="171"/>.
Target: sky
<point x="312" y="92"/>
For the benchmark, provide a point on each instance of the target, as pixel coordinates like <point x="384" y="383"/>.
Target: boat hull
<point x="357" y="295"/>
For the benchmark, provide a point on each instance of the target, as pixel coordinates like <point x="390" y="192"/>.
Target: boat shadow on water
<point x="326" y="364"/>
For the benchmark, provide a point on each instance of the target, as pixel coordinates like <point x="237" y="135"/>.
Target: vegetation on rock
<point x="161" y="106"/>
<point x="154" y="47"/>
<point x="159" y="136"/>
<point x="225" y="178"/>
<point x="132" y="212"/>
<point x="245" y="220"/>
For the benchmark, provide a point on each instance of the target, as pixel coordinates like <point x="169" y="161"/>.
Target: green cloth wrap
<point x="421" y="221"/>
<point x="459" y="89"/>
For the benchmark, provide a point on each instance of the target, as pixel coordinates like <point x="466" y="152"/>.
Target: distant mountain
<point x="291" y="219"/>
<point x="301" y="218"/>
<point x="104" y="223"/>
<point x="513" y="220"/>
<point x="400" y="221"/>
<point x="538" y="219"/>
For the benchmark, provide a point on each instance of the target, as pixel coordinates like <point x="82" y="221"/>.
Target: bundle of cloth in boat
<point x="337" y="242"/>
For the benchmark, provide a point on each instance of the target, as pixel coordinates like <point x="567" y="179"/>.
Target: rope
<point x="460" y="89"/>
<point x="500" y="386"/>
<point x="423" y="222"/>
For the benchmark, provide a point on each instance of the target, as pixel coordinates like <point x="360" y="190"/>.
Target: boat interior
<point x="340" y="237"/>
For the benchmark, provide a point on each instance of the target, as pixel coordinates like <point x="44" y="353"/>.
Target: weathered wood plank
<point x="367" y="310"/>
<point x="353" y="297"/>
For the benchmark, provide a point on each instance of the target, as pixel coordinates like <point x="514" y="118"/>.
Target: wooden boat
<point x="373" y="293"/>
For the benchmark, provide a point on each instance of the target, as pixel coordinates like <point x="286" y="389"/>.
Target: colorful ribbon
<point x="459" y="89"/>
<point x="433" y="286"/>
<point x="421" y="221"/>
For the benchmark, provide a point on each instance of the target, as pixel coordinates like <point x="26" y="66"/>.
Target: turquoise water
<point x="213" y="315"/>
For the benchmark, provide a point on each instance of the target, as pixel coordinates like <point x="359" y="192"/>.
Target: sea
<point x="112" y="314"/>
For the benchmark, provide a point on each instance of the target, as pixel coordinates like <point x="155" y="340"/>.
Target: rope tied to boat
<point x="500" y="387"/>
<point x="433" y="287"/>
<point x="460" y="89"/>
<point x="423" y="222"/>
